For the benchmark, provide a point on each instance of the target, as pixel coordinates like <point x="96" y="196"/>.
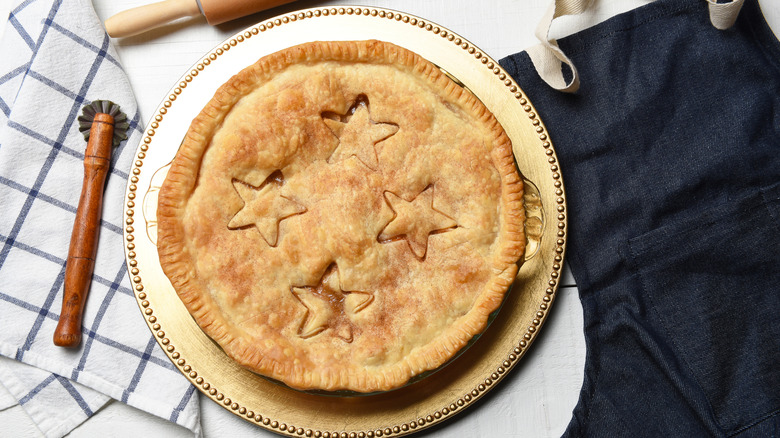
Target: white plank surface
<point x="537" y="398"/>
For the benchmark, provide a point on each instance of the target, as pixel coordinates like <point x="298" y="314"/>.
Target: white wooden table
<point x="537" y="398"/>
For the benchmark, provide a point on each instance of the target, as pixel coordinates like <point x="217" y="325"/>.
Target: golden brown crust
<point x="267" y="215"/>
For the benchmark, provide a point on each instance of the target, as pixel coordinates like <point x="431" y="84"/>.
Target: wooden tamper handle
<point x="86" y="229"/>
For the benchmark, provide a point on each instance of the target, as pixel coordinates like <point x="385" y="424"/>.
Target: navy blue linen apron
<point x="671" y="158"/>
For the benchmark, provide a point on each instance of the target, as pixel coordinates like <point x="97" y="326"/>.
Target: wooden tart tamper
<point x="104" y="126"/>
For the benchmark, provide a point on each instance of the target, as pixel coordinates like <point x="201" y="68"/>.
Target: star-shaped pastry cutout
<point x="329" y="307"/>
<point x="414" y="221"/>
<point x="264" y="207"/>
<point x="357" y="133"/>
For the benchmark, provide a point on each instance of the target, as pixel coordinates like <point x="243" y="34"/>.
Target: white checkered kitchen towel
<point x="54" y="59"/>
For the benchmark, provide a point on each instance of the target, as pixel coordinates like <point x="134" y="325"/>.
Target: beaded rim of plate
<point x="423" y="421"/>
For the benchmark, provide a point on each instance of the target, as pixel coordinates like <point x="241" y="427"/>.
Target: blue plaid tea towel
<point x="56" y="58"/>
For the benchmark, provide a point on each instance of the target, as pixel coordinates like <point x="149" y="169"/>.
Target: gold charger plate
<point x="419" y="405"/>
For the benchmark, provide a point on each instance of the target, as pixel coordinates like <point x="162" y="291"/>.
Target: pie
<point x="342" y="216"/>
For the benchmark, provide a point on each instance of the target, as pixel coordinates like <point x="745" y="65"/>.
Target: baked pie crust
<point x="342" y="216"/>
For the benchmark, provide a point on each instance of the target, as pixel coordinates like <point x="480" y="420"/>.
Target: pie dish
<point x="342" y="216"/>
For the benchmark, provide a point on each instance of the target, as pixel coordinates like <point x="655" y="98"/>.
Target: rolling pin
<point x="143" y="18"/>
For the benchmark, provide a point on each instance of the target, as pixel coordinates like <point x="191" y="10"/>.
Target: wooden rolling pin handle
<point x="137" y="20"/>
<point x="86" y="229"/>
<point x="221" y="11"/>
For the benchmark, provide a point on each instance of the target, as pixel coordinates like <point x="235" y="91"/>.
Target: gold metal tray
<point x="417" y="406"/>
